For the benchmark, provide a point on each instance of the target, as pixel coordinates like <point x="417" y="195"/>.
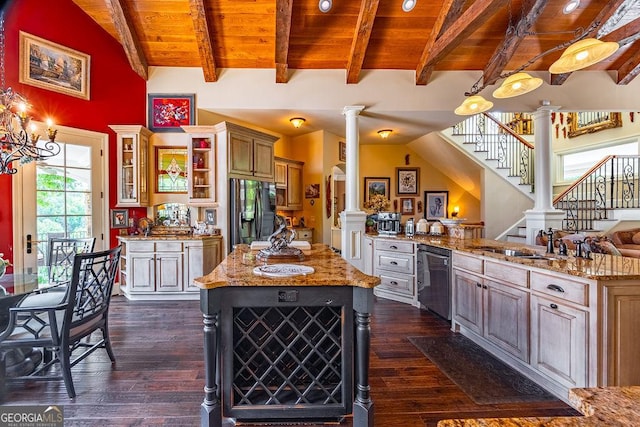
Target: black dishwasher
<point x="434" y="280"/>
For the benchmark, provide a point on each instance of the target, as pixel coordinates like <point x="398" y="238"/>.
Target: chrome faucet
<point x="549" y="235"/>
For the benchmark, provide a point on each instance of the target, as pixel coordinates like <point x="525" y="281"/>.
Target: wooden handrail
<point x="509" y="131"/>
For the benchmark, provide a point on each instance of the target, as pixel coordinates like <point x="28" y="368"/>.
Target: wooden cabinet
<point x="154" y="268"/>
<point x="132" y="156"/>
<point x="288" y="179"/>
<point x="492" y="301"/>
<point x="201" y="167"/>
<point x="250" y="153"/>
<point x="394" y="262"/>
<point x="304" y="234"/>
<point x="367" y="254"/>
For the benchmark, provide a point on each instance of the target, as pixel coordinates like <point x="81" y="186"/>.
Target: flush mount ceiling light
<point x="473" y="105"/>
<point x="325" y="5"/>
<point x="570" y="6"/>
<point x="297" y="121"/>
<point x="384" y="133"/>
<point x="408" y="5"/>
<point x="582" y="54"/>
<point x="517" y="84"/>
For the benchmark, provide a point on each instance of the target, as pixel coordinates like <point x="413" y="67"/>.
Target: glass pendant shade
<point x="582" y="54"/>
<point x="473" y="105"/>
<point x="517" y="84"/>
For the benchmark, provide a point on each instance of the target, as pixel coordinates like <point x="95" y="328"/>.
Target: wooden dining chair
<point x="61" y="253"/>
<point x="58" y="322"/>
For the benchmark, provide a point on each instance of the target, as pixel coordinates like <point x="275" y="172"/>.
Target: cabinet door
<point x="559" y="341"/>
<point x="468" y="300"/>
<point x="141" y="272"/>
<point x="133" y="165"/>
<point x="368" y="256"/>
<point x="294" y="186"/>
<point x="506" y="318"/>
<point x="241" y="155"/>
<point x="263" y="159"/>
<point x="194" y="255"/>
<point x="280" y="174"/>
<point x="168" y="272"/>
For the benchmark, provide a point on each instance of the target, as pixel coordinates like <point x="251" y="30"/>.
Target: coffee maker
<point x="388" y="223"/>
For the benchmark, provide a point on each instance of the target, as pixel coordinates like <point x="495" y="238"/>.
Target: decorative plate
<point x="282" y="270"/>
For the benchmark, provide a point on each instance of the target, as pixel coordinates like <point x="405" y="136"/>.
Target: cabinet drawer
<point x="562" y="288"/>
<point x="145" y="246"/>
<point x="398" y="283"/>
<point x="169" y="247"/>
<point x="394" y="262"/>
<point x="395" y="246"/>
<point x="304" y="234"/>
<point x="468" y="262"/>
<point x="512" y="274"/>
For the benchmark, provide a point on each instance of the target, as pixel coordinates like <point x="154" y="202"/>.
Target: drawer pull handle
<point x="393" y="247"/>
<point x="329" y="302"/>
<point x="554" y="306"/>
<point x="394" y="283"/>
<point x="393" y="263"/>
<point x="478" y="285"/>
<point x="555" y="288"/>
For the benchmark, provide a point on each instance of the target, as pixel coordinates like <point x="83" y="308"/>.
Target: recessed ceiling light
<point x="570" y="6"/>
<point x="408" y="5"/>
<point x="325" y="5"/>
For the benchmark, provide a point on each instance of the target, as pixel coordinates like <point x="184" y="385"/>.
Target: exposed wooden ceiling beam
<point x="626" y="34"/>
<point x="631" y="68"/>
<point x="474" y="17"/>
<point x="204" y="40"/>
<point x="605" y="14"/>
<point x="128" y="37"/>
<point x="449" y="12"/>
<point x="531" y="11"/>
<point x="361" y="36"/>
<point x="284" y="9"/>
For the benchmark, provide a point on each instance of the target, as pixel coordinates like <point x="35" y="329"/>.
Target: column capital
<point x="546" y="106"/>
<point x="353" y="109"/>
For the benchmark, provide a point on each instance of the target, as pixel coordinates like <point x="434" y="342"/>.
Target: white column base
<point x="541" y="220"/>
<point x="353" y="226"/>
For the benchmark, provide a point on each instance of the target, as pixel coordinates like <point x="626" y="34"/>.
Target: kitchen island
<point x="280" y="347"/>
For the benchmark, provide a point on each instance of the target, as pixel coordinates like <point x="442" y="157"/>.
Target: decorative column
<point x="352" y="218"/>
<point x="543" y="215"/>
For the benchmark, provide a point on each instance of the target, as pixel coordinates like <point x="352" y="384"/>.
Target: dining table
<point x="14" y="287"/>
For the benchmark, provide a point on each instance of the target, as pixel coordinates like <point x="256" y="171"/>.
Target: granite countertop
<point x="604" y="406"/>
<point x="330" y="270"/>
<point x="601" y="267"/>
<point x="138" y="237"/>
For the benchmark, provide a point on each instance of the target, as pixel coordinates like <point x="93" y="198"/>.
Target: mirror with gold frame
<point x="592" y="121"/>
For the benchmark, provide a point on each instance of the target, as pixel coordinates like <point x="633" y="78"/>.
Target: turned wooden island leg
<point x="362" y="405"/>
<point x="210" y="412"/>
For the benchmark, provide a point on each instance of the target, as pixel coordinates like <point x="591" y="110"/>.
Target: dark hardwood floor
<point x="158" y="377"/>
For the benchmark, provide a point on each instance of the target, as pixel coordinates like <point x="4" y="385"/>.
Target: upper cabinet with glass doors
<point x="133" y="165"/>
<point x="201" y="168"/>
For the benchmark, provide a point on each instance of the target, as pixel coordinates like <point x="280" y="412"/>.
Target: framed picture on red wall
<point x="53" y="67"/>
<point x="167" y="112"/>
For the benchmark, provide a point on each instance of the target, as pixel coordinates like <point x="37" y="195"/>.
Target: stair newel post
<point x="612" y="183"/>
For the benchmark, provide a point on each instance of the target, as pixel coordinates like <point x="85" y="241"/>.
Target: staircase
<point x="607" y="193"/>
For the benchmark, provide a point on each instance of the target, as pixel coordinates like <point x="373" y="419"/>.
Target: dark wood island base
<point x="287" y="348"/>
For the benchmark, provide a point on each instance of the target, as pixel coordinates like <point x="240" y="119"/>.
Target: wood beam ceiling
<point x="284" y="9"/>
<point x="472" y="19"/>
<point x="449" y="12"/>
<point x="128" y="36"/>
<point x="532" y="9"/>
<point x="201" y="26"/>
<point x="361" y="36"/>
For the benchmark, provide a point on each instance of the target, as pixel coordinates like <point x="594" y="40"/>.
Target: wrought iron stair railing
<point x="611" y="184"/>
<point x="492" y="136"/>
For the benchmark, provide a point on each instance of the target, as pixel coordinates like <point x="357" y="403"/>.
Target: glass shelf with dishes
<point x="201" y="169"/>
<point x="133" y="164"/>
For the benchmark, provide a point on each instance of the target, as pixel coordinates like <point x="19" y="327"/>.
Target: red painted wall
<point x="117" y="93"/>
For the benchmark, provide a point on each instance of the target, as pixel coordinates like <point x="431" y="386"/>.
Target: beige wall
<point x="382" y="161"/>
<point x="502" y="204"/>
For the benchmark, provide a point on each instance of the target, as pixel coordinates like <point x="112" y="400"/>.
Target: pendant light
<point x="517" y="84"/>
<point x="582" y="54"/>
<point x="473" y="105"/>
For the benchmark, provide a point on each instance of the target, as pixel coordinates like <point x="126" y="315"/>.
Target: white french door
<point x="62" y="196"/>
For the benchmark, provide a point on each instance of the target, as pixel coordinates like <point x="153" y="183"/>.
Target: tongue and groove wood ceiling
<point x="437" y="35"/>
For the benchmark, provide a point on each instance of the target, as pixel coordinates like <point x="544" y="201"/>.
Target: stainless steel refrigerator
<point x="252" y="211"/>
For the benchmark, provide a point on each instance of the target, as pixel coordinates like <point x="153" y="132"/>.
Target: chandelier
<point x="19" y="142"/>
